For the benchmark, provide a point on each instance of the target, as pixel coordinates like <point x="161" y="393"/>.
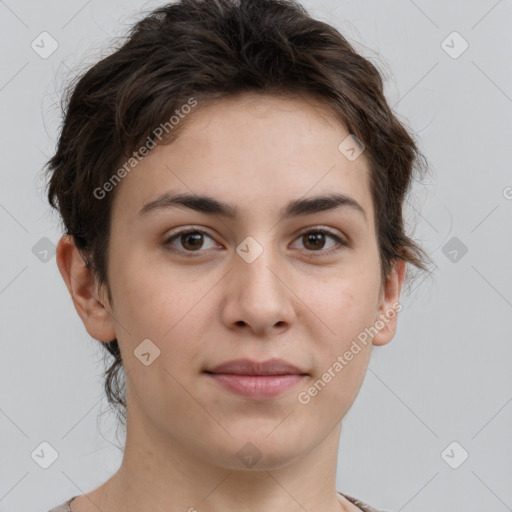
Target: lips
<point x="249" y="367"/>
<point x="256" y="380"/>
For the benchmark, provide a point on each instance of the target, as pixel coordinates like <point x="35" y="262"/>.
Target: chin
<point x="257" y="451"/>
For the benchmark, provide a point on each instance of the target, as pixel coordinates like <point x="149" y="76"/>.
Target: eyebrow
<point x="212" y="206"/>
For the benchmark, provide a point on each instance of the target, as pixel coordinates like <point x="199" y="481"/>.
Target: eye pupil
<point x="196" y="237"/>
<point x="315" y="238"/>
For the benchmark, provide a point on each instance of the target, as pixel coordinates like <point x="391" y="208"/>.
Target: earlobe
<point x="81" y="284"/>
<point x="389" y="306"/>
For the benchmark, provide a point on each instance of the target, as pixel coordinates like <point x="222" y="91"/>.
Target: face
<point x="263" y="271"/>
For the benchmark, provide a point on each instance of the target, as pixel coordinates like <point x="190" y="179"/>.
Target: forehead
<point x="251" y="150"/>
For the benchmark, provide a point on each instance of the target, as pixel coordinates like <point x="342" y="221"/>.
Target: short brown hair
<point x="211" y="49"/>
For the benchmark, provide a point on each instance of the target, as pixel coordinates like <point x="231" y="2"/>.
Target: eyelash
<point x="191" y="254"/>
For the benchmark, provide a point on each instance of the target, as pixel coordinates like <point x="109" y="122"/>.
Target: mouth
<point x="256" y="380"/>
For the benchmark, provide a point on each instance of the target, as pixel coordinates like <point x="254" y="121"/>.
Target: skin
<point x="299" y="301"/>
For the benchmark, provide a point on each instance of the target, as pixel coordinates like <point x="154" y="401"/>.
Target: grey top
<point x="66" y="507"/>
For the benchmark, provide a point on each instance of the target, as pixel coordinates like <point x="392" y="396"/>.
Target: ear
<point x="81" y="283"/>
<point x="389" y="304"/>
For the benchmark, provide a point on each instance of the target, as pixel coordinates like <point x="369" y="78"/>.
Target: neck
<point x="157" y="474"/>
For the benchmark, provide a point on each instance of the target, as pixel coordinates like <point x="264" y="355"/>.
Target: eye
<point x="190" y="240"/>
<point x="314" y="240"/>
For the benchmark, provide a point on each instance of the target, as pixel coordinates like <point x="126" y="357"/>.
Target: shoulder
<point x="64" y="507"/>
<point x="360" y="504"/>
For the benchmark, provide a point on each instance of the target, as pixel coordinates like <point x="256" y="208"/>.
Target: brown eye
<point x="189" y="241"/>
<point x="317" y="240"/>
<point x="314" y="241"/>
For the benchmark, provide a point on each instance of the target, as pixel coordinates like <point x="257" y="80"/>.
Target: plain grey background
<point x="445" y="377"/>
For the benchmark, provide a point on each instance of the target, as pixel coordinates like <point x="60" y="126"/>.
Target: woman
<point x="231" y="182"/>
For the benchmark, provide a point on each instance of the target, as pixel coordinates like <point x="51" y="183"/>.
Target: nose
<point x="257" y="297"/>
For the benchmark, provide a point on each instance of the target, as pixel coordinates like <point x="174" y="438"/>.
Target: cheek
<point x="166" y="310"/>
<point x="345" y="304"/>
<point x="345" y="308"/>
<point x="165" y="305"/>
<point x="143" y="294"/>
